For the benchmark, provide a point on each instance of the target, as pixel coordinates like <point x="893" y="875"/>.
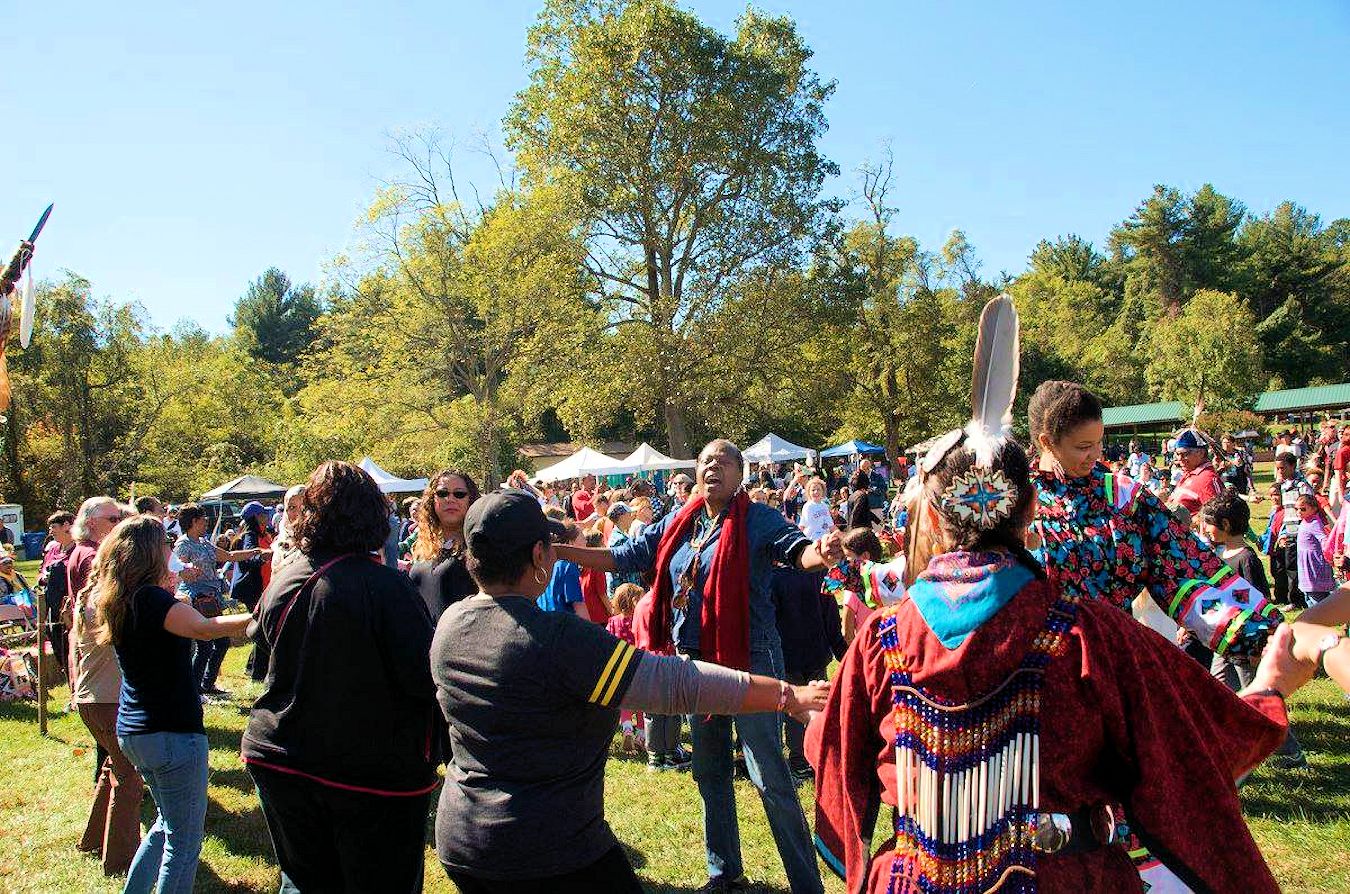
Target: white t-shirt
<point x="815" y="519"/>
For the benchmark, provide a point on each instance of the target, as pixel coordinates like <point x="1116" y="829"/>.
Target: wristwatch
<point x="1326" y="644"/>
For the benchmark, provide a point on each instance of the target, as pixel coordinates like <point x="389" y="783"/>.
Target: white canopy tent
<point x="388" y="483"/>
<point x="648" y="459"/>
<point x="773" y="449"/>
<point x="584" y="462"/>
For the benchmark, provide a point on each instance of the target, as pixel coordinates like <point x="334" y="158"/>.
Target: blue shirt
<point x="772" y="538"/>
<point x="614" y="579"/>
<point x="158" y="692"/>
<point x="201" y="554"/>
<point x="564" y="588"/>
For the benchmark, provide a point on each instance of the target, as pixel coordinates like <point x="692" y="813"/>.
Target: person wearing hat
<point x="532" y="700"/>
<point x="1199" y="482"/>
<point x="14" y="589"/>
<point x="341" y="742"/>
<point x="621" y="515"/>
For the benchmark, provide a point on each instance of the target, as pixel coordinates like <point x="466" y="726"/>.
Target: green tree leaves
<point x="274" y="320"/>
<point x="692" y="163"/>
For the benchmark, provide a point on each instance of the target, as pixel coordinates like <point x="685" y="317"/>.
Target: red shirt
<point x="1342" y="458"/>
<point x="1196" y="488"/>
<point x="78" y="567"/>
<point x="593" y="595"/>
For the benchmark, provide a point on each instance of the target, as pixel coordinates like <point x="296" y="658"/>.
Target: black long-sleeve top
<point x="349" y="699"/>
<point x="808" y="621"/>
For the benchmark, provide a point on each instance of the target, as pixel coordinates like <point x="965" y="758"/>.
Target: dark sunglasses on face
<point x="446" y="494"/>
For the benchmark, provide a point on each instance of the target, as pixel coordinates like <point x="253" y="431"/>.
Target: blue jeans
<point x="174" y="767"/>
<point x="207" y="659"/>
<point x="762" y="742"/>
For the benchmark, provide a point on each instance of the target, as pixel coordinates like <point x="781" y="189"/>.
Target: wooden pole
<point x="42" y="660"/>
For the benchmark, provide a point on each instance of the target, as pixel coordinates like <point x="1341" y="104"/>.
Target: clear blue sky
<point x="188" y="150"/>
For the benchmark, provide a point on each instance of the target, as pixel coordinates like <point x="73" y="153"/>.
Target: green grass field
<point x="1300" y="819"/>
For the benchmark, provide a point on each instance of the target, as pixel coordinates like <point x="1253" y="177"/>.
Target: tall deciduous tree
<point x="454" y="302"/>
<point x="1205" y="356"/>
<point x="692" y="157"/>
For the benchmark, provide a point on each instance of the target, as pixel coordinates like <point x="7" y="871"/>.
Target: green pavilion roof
<point x="1294" y="400"/>
<point x="1169" y="413"/>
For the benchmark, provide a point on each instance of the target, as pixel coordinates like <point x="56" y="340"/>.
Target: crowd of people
<point x="993" y="689"/>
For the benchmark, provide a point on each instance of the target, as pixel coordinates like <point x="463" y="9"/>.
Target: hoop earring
<point x="539" y="577"/>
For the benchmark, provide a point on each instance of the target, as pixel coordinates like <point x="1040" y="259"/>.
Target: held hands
<point x="803" y="701"/>
<point x="831" y="546"/>
<point x="1281" y="668"/>
<point x="190" y="573"/>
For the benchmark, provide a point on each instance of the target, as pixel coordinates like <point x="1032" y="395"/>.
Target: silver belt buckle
<point x="1051" y="833"/>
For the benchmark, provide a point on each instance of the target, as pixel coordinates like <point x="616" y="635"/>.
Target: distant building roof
<point x="1294" y="400"/>
<point x="1169" y="413"/>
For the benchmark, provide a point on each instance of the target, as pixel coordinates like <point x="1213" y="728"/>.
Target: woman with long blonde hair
<point x="159" y="717"/>
<point x="438" y="569"/>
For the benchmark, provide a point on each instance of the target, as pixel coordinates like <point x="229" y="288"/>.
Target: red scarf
<point x="724" y="632"/>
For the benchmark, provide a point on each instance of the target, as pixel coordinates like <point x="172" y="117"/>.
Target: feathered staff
<point x="11" y="294"/>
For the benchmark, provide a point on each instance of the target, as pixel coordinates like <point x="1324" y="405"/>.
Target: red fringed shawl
<point x="724" y="630"/>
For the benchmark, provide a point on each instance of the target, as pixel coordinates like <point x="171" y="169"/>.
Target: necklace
<point x="704" y="526"/>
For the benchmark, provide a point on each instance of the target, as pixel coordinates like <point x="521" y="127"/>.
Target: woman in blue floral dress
<point x="1102" y="535"/>
<point x="1105" y="536"/>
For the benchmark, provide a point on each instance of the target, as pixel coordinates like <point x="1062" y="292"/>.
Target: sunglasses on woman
<point x="445" y="494"/>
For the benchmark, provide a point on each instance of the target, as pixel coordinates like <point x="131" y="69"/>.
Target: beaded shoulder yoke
<point x="968" y="774"/>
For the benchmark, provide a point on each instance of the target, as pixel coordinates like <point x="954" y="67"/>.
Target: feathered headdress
<point x="983" y="496"/>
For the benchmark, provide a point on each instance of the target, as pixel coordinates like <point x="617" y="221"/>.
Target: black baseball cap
<point x="508" y="520"/>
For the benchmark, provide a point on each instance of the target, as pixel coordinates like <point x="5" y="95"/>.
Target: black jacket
<point x="349" y="697"/>
<point x="808" y="621"/>
<point x="860" y="513"/>
<point x="248" y="587"/>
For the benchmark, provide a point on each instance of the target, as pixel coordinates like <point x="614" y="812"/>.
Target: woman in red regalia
<point x="1007" y="724"/>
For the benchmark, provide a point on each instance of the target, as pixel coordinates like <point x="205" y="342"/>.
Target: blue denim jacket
<point x="772" y="538"/>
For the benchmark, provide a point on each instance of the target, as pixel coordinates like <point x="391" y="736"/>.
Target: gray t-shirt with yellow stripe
<point x="532" y="701"/>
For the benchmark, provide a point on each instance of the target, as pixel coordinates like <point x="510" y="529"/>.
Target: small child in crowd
<point x="1223" y="522"/>
<point x="1315" y="576"/>
<point x="625" y="602"/>
<point x="662" y="730"/>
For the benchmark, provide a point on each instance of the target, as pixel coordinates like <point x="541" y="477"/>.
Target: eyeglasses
<point x="457" y="494"/>
<point x="111" y="518"/>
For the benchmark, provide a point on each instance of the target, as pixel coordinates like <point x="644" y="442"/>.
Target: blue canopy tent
<point x="851" y="448"/>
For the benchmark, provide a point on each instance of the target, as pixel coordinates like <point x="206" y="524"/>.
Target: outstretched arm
<point x="598" y="558"/>
<point x="1194" y="587"/>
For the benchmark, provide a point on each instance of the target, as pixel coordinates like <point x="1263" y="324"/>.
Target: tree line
<point x="662" y="262"/>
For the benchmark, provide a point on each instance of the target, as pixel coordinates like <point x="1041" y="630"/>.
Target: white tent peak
<point x="584" y="462"/>
<point x="388" y="483"/>
<point x="773" y="449"/>
<point x="648" y="459"/>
